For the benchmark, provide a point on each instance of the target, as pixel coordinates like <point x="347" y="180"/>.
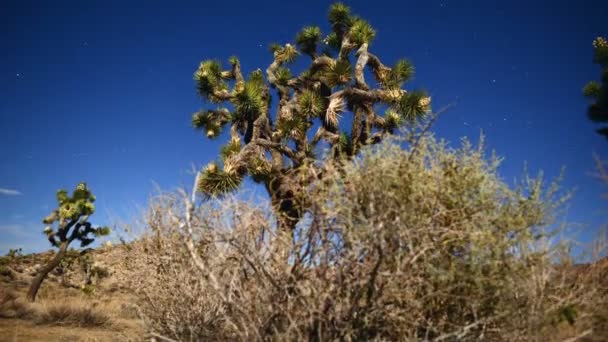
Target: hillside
<point x="67" y="308"/>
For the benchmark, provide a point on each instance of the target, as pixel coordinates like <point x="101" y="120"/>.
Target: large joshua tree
<point x="598" y="92"/>
<point x="71" y="223"/>
<point x="278" y="150"/>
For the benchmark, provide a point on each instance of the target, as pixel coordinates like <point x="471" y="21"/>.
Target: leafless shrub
<point x="418" y="243"/>
<point x="13" y="306"/>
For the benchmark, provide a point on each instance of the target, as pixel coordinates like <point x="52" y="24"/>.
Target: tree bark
<point x="42" y="274"/>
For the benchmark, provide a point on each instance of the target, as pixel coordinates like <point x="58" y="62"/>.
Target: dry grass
<point x="72" y="312"/>
<point x="401" y="244"/>
<point x="12" y="305"/>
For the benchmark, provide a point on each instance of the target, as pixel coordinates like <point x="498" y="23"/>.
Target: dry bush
<point x="12" y="305"/>
<point x="72" y="312"/>
<point x="423" y="242"/>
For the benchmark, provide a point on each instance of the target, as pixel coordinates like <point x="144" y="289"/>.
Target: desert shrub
<point x="100" y="272"/>
<point x="402" y="243"/>
<point x="14" y="306"/>
<point x="72" y="312"/>
<point x="14" y="253"/>
<point x="6" y="272"/>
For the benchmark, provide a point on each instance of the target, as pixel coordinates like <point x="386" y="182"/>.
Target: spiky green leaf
<point x="286" y="54"/>
<point x="310" y="103"/>
<point x="413" y="105"/>
<point x="213" y="182"/>
<point x="339" y="17"/>
<point x="362" y="32"/>
<point x="401" y="72"/>
<point x="333" y="41"/>
<point x="592" y="89"/>
<point x="200" y="119"/>
<point x="295" y="127"/>
<point x="208" y="79"/>
<point x="337" y="74"/>
<point x="283" y="76"/>
<point x="308" y="39"/>
<point x="231" y="148"/>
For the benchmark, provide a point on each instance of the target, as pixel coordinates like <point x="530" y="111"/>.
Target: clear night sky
<point x="102" y="91"/>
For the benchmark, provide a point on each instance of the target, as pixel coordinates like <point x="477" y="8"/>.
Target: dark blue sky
<point x="102" y="91"/>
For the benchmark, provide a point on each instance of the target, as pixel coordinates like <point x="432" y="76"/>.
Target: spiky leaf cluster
<point x="213" y="182"/>
<point x="209" y="80"/>
<point x="294" y="126"/>
<point x="340" y="19"/>
<point x="310" y="103"/>
<point x="249" y="102"/>
<point x="400" y="73"/>
<point x="283" y="76"/>
<point x="361" y="32"/>
<point x="231" y="148"/>
<point x="598" y="91"/>
<point x="413" y="105"/>
<point x="71" y="218"/>
<point x="308" y="39"/>
<point x="268" y="146"/>
<point x="338" y="73"/>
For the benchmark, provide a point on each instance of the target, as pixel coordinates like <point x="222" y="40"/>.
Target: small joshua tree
<point x="71" y="219"/>
<point x="598" y="110"/>
<point x="278" y="150"/>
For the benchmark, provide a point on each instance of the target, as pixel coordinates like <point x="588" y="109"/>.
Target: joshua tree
<point x="278" y="150"/>
<point x="71" y="218"/>
<point x="598" y="110"/>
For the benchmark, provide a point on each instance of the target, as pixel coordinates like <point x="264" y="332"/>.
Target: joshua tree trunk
<point x="39" y="278"/>
<point x="285" y="203"/>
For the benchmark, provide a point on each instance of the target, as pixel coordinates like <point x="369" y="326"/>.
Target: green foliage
<point x="308" y="39"/>
<point x="337" y="74"/>
<point x="401" y="72"/>
<point x="102" y="231"/>
<point x="283" y="76"/>
<point x="5" y="271"/>
<point x="285" y="54"/>
<point x="362" y="32"/>
<point x="88" y="289"/>
<point x="592" y="89"/>
<point x="310" y="103"/>
<point x="231" y="148"/>
<point x="392" y="118"/>
<point x="200" y="119"/>
<point x="295" y="126"/>
<point x="596" y="91"/>
<point x="333" y="41"/>
<point x="259" y="169"/>
<point x="208" y="78"/>
<point x="71" y="218"/>
<point x="100" y="272"/>
<point x="275" y="47"/>
<point x="71" y="208"/>
<point x="340" y="18"/>
<point x="568" y="313"/>
<point x="233" y="60"/>
<point x="14" y="253"/>
<point x="413" y="105"/>
<point x="249" y="102"/>
<point x="214" y="182"/>
<point x="344" y="145"/>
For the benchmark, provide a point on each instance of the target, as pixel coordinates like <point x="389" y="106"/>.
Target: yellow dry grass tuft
<point x="73" y="312"/>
